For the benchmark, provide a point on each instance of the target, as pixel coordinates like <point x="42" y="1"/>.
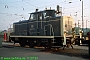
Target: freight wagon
<point x="43" y="28"/>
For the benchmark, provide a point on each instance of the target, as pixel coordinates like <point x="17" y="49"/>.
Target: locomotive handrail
<point x="44" y="29"/>
<point x="50" y="29"/>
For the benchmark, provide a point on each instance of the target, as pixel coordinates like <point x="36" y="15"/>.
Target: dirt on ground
<point x="69" y="52"/>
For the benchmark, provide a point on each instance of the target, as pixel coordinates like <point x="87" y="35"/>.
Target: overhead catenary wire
<point x="10" y="2"/>
<point x="40" y="7"/>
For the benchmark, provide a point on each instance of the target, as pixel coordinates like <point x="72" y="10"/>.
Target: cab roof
<point x="41" y="11"/>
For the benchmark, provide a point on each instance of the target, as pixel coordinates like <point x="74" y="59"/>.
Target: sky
<point x="15" y="10"/>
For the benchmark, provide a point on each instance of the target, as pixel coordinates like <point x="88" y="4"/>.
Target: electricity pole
<point x="68" y="25"/>
<point x="78" y="26"/>
<point x="82" y="17"/>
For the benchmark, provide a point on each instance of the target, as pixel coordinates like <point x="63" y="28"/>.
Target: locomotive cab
<point x="42" y="14"/>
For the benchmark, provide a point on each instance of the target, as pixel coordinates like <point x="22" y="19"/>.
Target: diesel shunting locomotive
<point x="43" y="28"/>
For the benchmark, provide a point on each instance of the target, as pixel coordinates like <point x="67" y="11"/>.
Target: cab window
<point x="33" y="16"/>
<point x="40" y="16"/>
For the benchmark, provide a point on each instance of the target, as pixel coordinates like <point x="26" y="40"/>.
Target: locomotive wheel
<point x="22" y="44"/>
<point x="45" y="45"/>
<point x="48" y="46"/>
<point x="31" y="44"/>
